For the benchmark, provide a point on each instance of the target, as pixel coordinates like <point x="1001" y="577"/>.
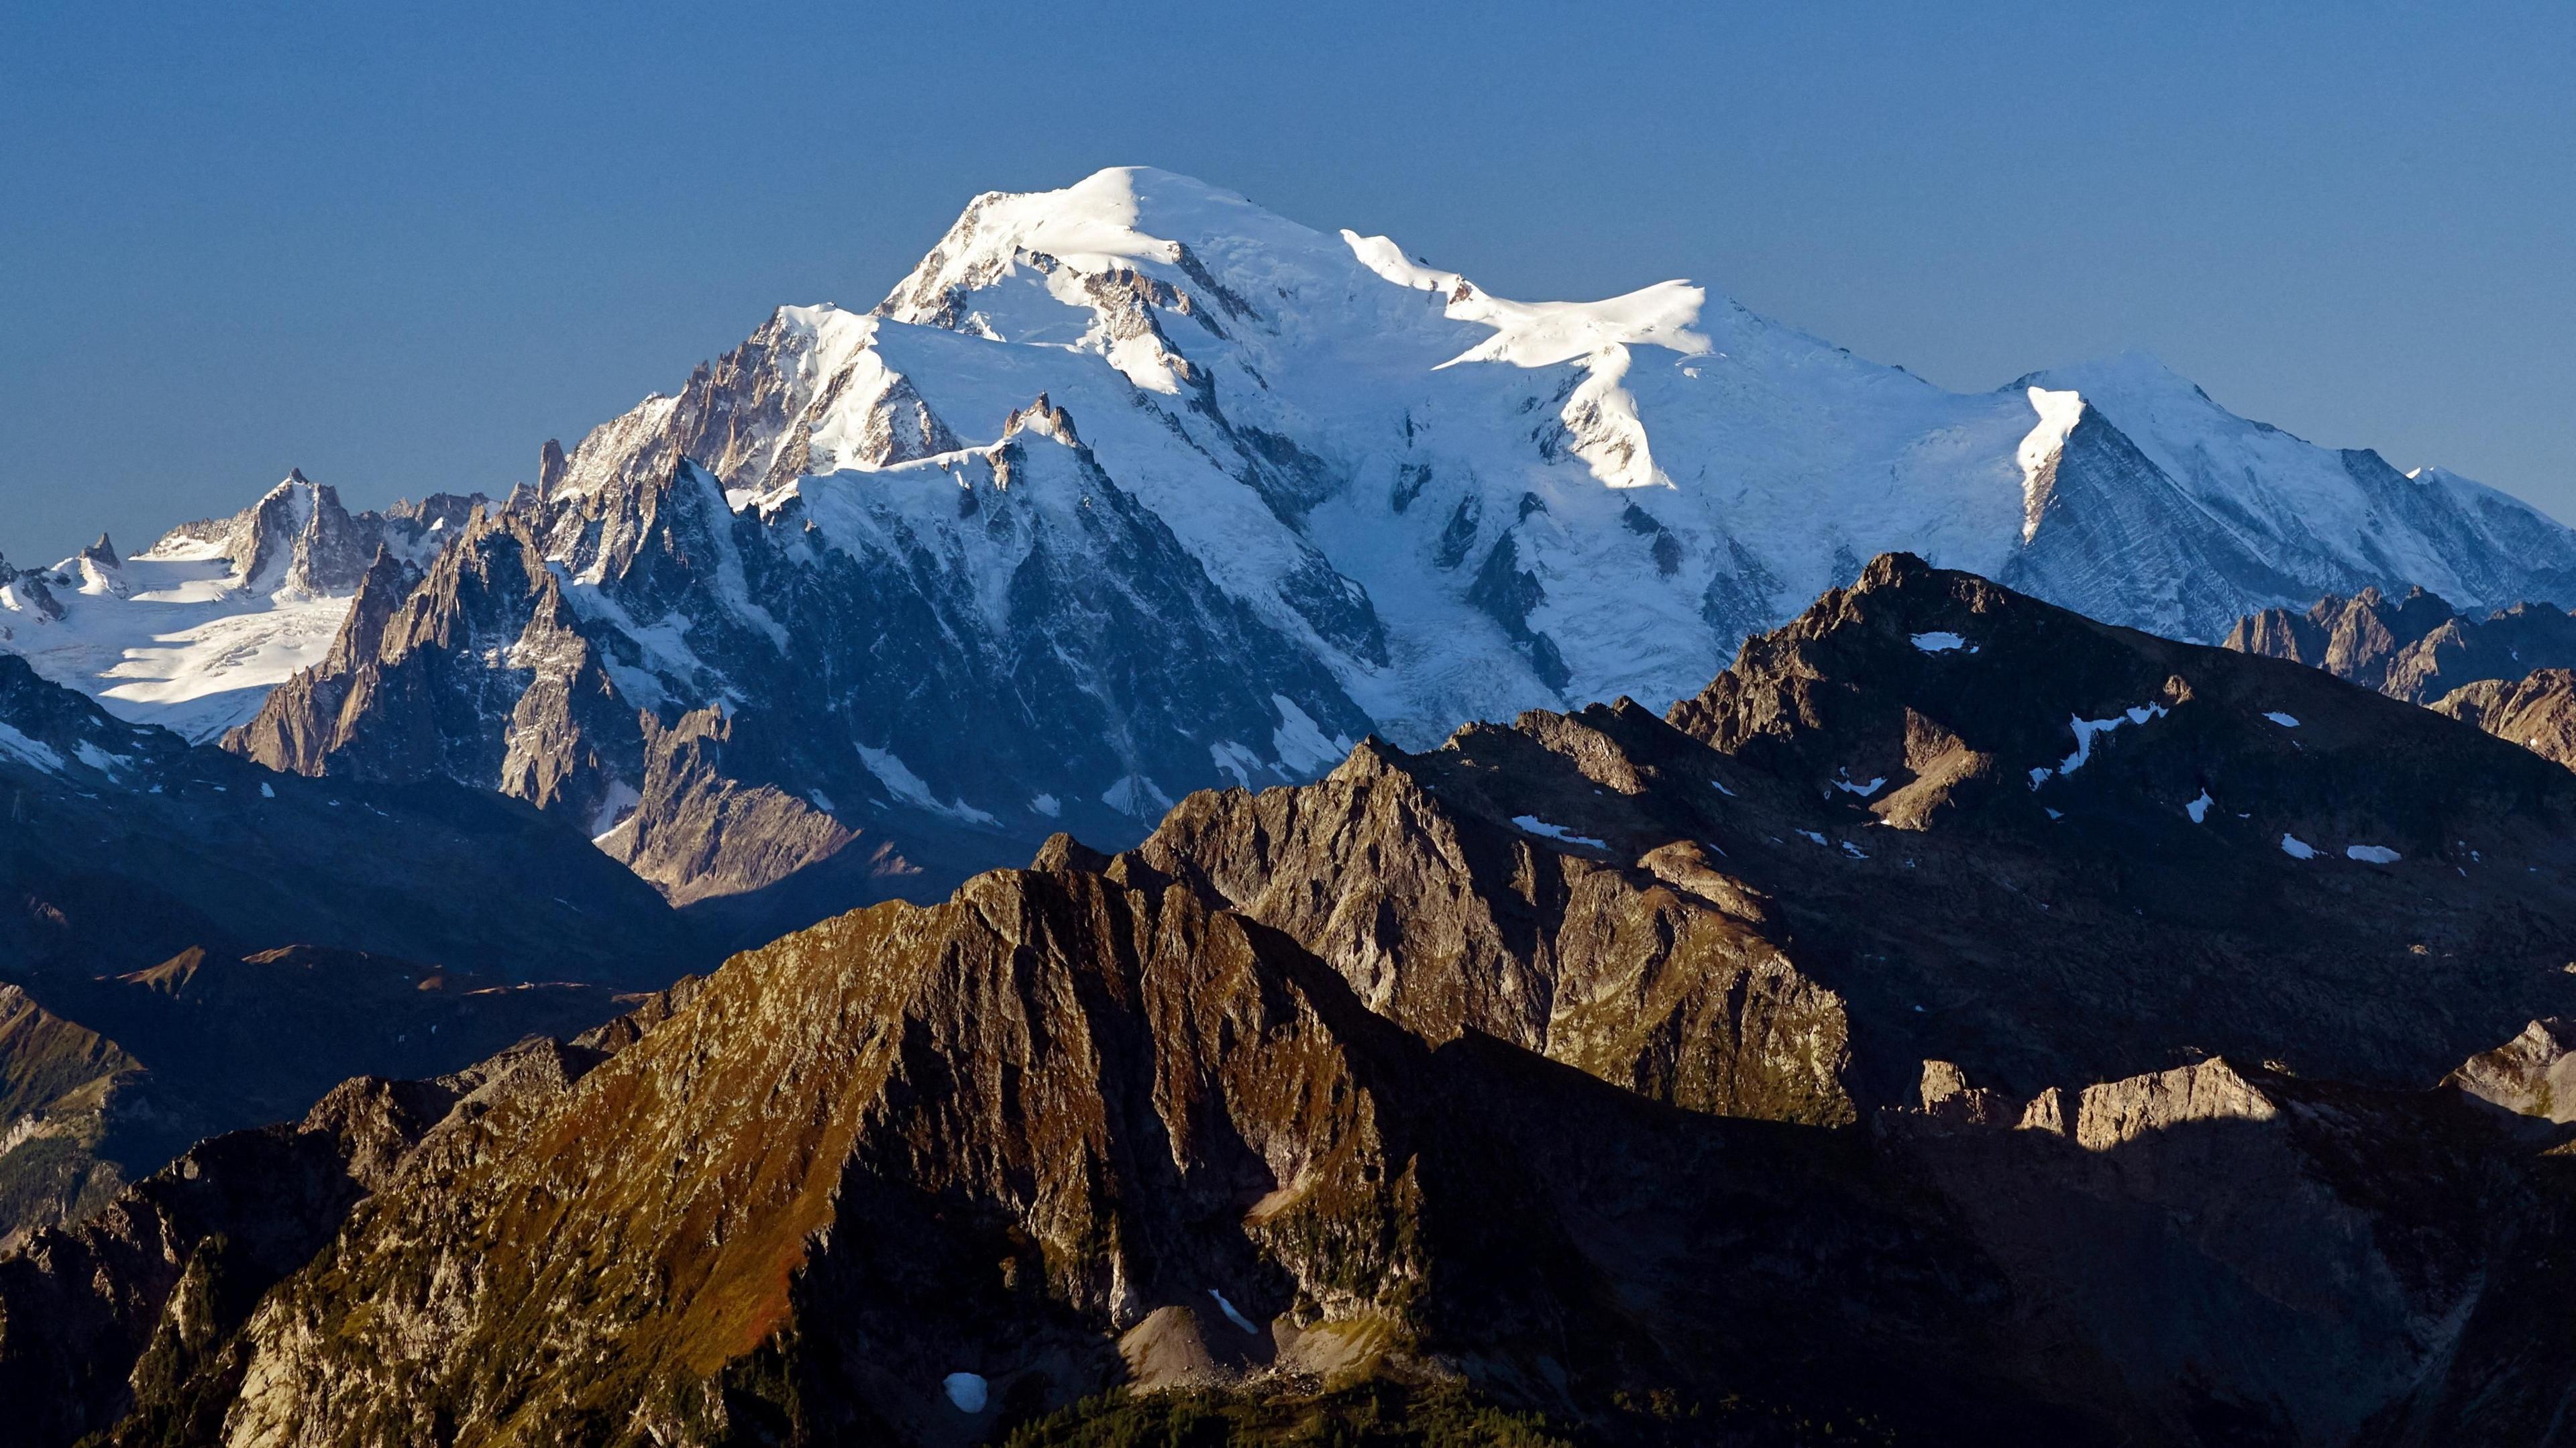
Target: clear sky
<point x="401" y="245"/>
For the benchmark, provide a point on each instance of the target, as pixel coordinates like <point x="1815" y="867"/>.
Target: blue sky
<point x="401" y="245"/>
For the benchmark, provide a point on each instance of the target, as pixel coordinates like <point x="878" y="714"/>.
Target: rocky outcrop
<point x="524" y="658"/>
<point x="2536" y="711"/>
<point x="476" y="672"/>
<point x="2534" y="1074"/>
<point x="2254" y="1257"/>
<point x="1074" y="1128"/>
<point x="2418" y="649"/>
<point x="1413" y="883"/>
<point x="62" y="1088"/>
<point x="1056" y="1124"/>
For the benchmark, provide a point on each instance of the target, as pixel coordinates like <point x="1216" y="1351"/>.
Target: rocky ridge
<point x="191" y="632"/>
<point x="2419" y="648"/>
<point x="1799" y="1058"/>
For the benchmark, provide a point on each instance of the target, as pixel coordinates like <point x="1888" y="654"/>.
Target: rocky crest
<point x="2419" y="649"/>
<point x="1868" y="1043"/>
<point x="2536" y="711"/>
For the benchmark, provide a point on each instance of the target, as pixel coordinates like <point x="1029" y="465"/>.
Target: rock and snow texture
<point x="1133" y="488"/>
<point x="192" y="632"/>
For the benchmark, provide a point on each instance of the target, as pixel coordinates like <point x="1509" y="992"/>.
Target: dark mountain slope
<point x="183" y="938"/>
<point x="201" y="1045"/>
<point x="126" y="846"/>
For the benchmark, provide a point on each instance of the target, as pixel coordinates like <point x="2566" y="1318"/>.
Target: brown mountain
<point x="1963" y="1022"/>
<point x="2536" y="711"/>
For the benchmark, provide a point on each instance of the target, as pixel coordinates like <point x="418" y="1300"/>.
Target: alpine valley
<point x="963" y="879"/>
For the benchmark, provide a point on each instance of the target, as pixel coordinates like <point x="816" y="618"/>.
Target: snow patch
<point x="1300" y="741"/>
<point x="2297" y="849"/>
<point x="2284" y="720"/>
<point x="1534" y="825"/>
<point x="99" y="759"/>
<point x="1136" y="795"/>
<point x="1046" y="804"/>
<point x="29" y="751"/>
<point x="1818" y="838"/>
<point x="267" y="790"/>
<point x="613" y="810"/>
<point x="2037" y="455"/>
<point x="1864" y="788"/>
<point x="1237" y="1318"/>
<point x="2085" y="732"/>
<point x="2199" y="809"/>
<point x="966" y="1391"/>
<point x="2372" y="854"/>
<point x="1941" y="641"/>
<point x="1236" y="760"/>
<point x="910" y="788"/>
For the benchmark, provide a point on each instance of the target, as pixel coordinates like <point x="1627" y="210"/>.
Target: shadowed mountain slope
<point x="1927" y="1033"/>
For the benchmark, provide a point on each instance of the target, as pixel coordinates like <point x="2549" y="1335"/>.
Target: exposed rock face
<point x="473" y="673"/>
<point x="191" y="632"/>
<point x="1404" y="872"/>
<point x="300" y="537"/>
<point x="2419" y="649"/>
<point x="1105" y="656"/>
<point x="2534" y="1074"/>
<point x="143" y="1299"/>
<point x="2257" y="1258"/>
<point x="1925" y="816"/>
<point x="1053" y="1114"/>
<point x="2536" y="711"/>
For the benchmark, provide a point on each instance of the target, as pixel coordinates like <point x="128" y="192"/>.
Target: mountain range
<point x="1961" y="1021"/>
<point x="1193" y="831"/>
<point x="1134" y="488"/>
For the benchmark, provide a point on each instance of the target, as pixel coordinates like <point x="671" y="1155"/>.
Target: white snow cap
<point x="966" y="1391"/>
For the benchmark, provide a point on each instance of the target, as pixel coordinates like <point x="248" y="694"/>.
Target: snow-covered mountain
<point x="193" y="632"/>
<point x="1133" y="487"/>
